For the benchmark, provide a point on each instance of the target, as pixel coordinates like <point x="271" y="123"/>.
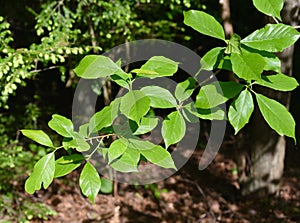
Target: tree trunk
<point x="262" y="162"/>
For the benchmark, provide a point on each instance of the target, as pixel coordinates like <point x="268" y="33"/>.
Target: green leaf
<point x="103" y="118"/>
<point x="43" y="173"/>
<point x="215" y="113"/>
<point x="61" y="125"/>
<point x="134" y="105"/>
<point x="83" y="130"/>
<point x="106" y="186"/>
<point x="279" y="82"/>
<point x="78" y="143"/>
<point x="247" y="66"/>
<point x="185" y="89"/>
<point x="159" y="156"/>
<point x="159" y="97"/>
<point x="277" y="116"/>
<point x="269" y="7"/>
<point x="234" y="45"/>
<point x="173" y="128"/>
<point x="271" y="60"/>
<point x="240" y="110"/>
<point x="204" y="23"/>
<point x="38" y="136"/>
<point x="116" y="149"/>
<point x="120" y="81"/>
<point x="146" y="125"/>
<point x="158" y="66"/>
<point x="66" y="164"/>
<point x="89" y="181"/>
<point x="212" y="58"/>
<point x="217" y="93"/>
<point x="272" y="38"/>
<point x="95" y="66"/>
<point x="128" y="162"/>
<point x="225" y="63"/>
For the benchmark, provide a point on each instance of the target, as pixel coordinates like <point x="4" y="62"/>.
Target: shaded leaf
<point x="185" y="89"/>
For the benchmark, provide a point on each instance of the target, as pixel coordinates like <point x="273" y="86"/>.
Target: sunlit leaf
<point x="204" y="23"/>
<point x="277" y="116"/>
<point x="279" y="82"/>
<point x="159" y="97"/>
<point x="89" y="181"/>
<point x="61" y="125"/>
<point x="240" y="110"/>
<point x="38" y="136"/>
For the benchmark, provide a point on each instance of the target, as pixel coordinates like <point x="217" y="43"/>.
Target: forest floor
<point x="190" y="195"/>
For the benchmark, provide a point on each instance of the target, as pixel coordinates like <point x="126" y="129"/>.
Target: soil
<point x="190" y="195"/>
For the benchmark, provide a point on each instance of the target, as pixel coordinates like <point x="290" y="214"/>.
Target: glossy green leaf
<point x="157" y="66"/>
<point x="212" y="58"/>
<point x="116" y="149"/>
<point x="128" y="162"/>
<point x="217" y="93"/>
<point x="159" y="156"/>
<point x="95" y="66"/>
<point x="277" y="116"/>
<point x="146" y="125"/>
<point x="134" y="105"/>
<point x="234" y="45"/>
<point x="61" y="125"/>
<point x="103" y="118"/>
<point x="215" y="113"/>
<point x="159" y="97"/>
<point x="173" y="128"/>
<point x="269" y="7"/>
<point x="279" y="82"/>
<point x="185" y="89"/>
<point x="66" y="164"/>
<point x="38" y="136"/>
<point x="240" y="110"/>
<point x="204" y="23"/>
<point x="271" y="60"/>
<point x="89" y="181"/>
<point x="247" y="66"/>
<point x="272" y="38"/>
<point x="43" y="173"/>
<point x="78" y="143"/>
